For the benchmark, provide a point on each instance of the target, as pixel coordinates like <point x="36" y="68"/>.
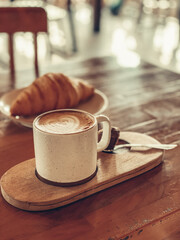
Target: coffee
<point x="65" y="122"/>
<point x="66" y="146"/>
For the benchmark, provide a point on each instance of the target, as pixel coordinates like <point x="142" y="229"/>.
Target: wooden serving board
<point x="22" y="189"/>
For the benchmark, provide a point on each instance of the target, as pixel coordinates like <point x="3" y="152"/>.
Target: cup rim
<point x="63" y="110"/>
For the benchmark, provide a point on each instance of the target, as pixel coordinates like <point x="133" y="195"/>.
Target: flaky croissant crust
<point x="48" y="92"/>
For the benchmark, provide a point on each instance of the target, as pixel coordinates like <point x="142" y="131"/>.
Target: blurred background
<point x="129" y="29"/>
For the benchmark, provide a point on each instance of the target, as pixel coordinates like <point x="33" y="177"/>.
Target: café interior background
<point x="128" y="30"/>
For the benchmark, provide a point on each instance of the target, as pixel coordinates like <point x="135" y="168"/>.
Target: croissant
<point x="48" y="92"/>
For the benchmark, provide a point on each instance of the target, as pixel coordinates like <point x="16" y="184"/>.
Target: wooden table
<point x="144" y="99"/>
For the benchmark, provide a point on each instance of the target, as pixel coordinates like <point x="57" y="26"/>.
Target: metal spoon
<point x="157" y="146"/>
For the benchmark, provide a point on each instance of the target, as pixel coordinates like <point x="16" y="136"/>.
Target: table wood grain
<point x="144" y="99"/>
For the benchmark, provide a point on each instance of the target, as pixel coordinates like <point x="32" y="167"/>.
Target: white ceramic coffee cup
<point x="70" y="158"/>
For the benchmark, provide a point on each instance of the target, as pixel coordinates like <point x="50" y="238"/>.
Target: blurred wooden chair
<point x="23" y="19"/>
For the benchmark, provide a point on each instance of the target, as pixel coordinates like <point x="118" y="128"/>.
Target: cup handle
<point x="106" y="135"/>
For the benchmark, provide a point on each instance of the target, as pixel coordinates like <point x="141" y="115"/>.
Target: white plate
<point x="95" y="105"/>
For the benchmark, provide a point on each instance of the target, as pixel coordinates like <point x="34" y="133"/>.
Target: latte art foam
<point x="64" y="122"/>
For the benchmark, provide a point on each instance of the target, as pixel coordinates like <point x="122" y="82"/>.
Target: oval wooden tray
<point x="22" y="189"/>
